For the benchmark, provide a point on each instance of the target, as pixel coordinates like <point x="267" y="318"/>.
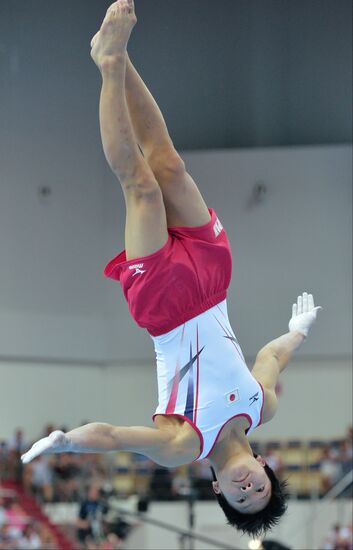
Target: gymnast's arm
<point x="98" y="437"/>
<point x="270" y="362"/>
<point x="275" y="356"/>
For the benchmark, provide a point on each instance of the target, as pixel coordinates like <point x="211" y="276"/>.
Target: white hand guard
<point x="56" y="442"/>
<point x="303" y="314"/>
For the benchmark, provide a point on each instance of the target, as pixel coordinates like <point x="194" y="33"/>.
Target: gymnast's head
<point x="252" y="498"/>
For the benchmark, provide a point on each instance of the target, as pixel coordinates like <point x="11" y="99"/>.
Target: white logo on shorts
<point x="137" y="268"/>
<point x="217" y="228"/>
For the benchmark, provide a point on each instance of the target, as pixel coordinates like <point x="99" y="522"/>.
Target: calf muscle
<point x="93" y="437"/>
<point x="119" y="145"/>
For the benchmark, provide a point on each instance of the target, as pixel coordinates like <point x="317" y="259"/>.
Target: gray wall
<point x="34" y="394"/>
<point x="55" y="303"/>
<point x="299" y="238"/>
<point x="231" y="74"/>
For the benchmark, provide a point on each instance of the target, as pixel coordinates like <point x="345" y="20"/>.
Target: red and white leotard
<point x="178" y="294"/>
<point x="203" y="377"/>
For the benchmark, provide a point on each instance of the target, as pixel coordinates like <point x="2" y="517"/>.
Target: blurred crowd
<point x="90" y="479"/>
<point x="336" y="461"/>
<point x="18" y="531"/>
<point x="340" y="537"/>
<point x="63" y="477"/>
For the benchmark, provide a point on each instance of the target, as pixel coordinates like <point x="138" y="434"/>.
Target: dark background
<point x="240" y="73"/>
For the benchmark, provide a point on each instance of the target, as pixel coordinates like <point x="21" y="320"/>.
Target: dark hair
<point x="258" y="523"/>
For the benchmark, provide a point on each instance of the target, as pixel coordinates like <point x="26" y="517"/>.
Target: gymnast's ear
<point x="215" y="487"/>
<point x="261" y="460"/>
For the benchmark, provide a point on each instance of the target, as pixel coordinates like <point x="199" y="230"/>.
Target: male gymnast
<point x="174" y="272"/>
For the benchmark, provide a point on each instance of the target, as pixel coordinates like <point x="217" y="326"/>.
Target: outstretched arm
<point x="274" y="357"/>
<point x="99" y="437"/>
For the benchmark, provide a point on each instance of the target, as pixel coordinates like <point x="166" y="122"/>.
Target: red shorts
<point x="187" y="276"/>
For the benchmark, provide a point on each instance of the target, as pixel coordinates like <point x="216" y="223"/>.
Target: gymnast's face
<point x="244" y="483"/>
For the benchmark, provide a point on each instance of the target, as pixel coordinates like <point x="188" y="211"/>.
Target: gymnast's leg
<point x="183" y="201"/>
<point x="146" y="227"/>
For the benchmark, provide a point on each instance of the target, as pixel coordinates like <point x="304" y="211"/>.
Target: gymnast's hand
<point x="303" y="314"/>
<point x="56" y="442"/>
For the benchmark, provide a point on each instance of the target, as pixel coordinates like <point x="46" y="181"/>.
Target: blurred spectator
<point x="201" y="476"/>
<point x="89" y="521"/>
<point x="30" y="539"/>
<point x="2" y="511"/>
<point x="143" y="466"/>
<point x="181" y="483"/>
<point x="94" y="466"/>
<point x="15" y="517"/>
<point x="41" y="479"/>
<point x="4" y="459"/>
<point x="16" y="446"/>
<point x="339" y="538"/>
<point x="274" y="460"/>
<point x="345" y="455"/>
<point x="161" y="484"/>
<point x="6" y="541"/>
<point x="18" y="531"/>
<point x="48" y="429"/>
<point x="116" y="525"/>
<point x="46" y="536"/>
<point x="330" y="468"/>
<point x="112" y="542"/>
<point x="17" y="442"/>
<point x="66" y="469"/>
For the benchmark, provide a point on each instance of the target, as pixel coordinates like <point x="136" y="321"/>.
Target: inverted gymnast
<point x="174" y="273"/>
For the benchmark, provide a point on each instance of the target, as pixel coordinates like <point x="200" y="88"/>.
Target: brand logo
<point x="217" y="228"/>
<point x="137" y="268"/>
<point x="232" y="397"/>
<point x="254" y="398"/>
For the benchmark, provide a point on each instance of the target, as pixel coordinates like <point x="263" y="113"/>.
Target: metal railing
<point x="185" y="535"/>
<point x="340" y="486"/>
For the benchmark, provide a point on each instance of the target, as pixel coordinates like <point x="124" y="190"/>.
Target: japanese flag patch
<point x="232" y="397"/>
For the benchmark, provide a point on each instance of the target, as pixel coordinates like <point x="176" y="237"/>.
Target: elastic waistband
<point x="190" y="314"/>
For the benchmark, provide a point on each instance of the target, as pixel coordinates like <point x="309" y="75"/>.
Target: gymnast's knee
<point x="167" y="165"/>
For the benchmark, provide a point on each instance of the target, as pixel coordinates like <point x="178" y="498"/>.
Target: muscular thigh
<point x="146" y="224"/>
<point x="183" y="201"/>
<point x="184" y="204"/>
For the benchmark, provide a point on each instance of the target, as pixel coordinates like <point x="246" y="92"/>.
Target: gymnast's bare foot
<point x="112" y="38"/>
